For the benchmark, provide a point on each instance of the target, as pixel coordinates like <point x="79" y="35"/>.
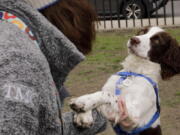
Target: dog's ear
<point x="170" y="61"/>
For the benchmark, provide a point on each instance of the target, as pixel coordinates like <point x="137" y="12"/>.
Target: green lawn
<point x="108" y="51"/>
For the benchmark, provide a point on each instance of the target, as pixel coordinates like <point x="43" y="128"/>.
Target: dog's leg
<point x="83" y="120"/>
<point x="152" y="131"/>
<point x="91" y="101"/>
<point x="105" y="103"/>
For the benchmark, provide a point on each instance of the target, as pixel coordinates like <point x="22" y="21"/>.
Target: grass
<point x="109" y="50"/>
<point x="175" y="33"/>
<point x="108" y="47"/>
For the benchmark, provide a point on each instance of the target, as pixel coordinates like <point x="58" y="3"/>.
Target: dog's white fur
<point x="137" y="93"/>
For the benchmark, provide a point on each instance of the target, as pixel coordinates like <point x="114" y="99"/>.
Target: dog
<point x="131" y="96"/>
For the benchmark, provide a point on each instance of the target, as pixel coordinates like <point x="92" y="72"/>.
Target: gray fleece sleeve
<point x="70" y="129"/>
<point x="28" y="97"/>
<point x="20" y="70"/>
<point x="18" y="111"/>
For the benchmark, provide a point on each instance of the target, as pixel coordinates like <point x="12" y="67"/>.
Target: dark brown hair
<point x="75" y="18"/>
<point x="165" y="51"/>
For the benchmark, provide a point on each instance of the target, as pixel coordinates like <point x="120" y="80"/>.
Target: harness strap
<point x="124" y="75"/>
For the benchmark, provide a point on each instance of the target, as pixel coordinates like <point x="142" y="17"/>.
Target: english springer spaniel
<point x="129" y="98"/>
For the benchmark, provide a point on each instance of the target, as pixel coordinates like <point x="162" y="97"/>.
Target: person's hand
<point x="125" y="120"/>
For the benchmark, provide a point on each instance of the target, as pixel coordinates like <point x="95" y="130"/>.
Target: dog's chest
<point x="138" y="93"/>
<point x="111" y="85"/>
<point x="130" y="85"/>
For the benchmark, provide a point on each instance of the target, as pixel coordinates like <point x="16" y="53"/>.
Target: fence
<point x="136" y="13"/>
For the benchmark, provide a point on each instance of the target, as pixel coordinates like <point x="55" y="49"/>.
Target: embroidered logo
<point x="19" y="93"/>
<point x="19" y="23"/>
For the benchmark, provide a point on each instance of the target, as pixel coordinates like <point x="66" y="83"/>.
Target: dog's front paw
<point x="77" y="105"/>
<point x="83" y="120"/>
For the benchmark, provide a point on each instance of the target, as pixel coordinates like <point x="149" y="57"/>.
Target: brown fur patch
<point x="152" y="131"/>
<point x="165" y="51"/>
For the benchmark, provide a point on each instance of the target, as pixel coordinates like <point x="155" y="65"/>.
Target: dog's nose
<point x="134" y="41"/>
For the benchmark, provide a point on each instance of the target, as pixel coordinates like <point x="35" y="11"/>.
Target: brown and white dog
<point x="152" y="53"/>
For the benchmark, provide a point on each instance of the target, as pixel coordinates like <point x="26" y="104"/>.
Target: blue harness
<point x="123" y="76"/>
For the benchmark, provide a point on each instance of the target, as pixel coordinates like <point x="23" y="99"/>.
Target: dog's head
<point x="157" y="46"/>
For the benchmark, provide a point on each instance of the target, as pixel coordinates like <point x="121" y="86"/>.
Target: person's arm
<point x="24" y="77"/>
<point x="18" y="109"/>
<point x="71" y="129"/>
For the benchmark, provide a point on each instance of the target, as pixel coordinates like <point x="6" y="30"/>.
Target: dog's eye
<point x="155" y="40"/>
